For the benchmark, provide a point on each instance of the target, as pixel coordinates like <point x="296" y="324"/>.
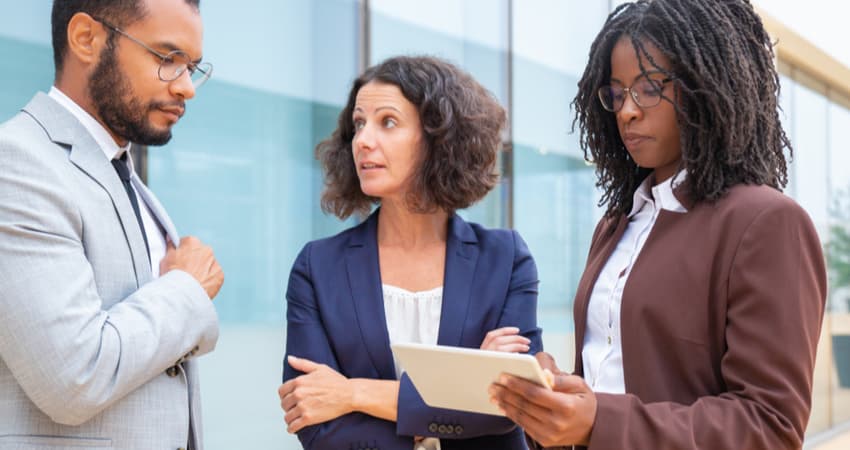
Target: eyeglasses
<point x="173" y="64"/>
<point x="645" y="91"/>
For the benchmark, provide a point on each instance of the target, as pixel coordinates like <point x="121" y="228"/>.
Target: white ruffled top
<point x="413" y="317"/>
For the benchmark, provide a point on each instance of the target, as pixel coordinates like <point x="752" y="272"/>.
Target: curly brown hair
<point x="461" y="126"/>
<point x="722" y="59"/>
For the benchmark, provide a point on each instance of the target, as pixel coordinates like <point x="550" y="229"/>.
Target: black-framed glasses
<point x="645" y="91"/>
<point x="173" y="64"/>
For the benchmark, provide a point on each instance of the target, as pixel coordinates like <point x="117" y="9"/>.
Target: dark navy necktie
<point x="123" y="171"/>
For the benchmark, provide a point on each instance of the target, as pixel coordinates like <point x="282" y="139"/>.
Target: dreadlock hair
<point x="721" y="58"/>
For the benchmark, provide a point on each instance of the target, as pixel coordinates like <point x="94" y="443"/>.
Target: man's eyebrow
<point x="170" y="47"/>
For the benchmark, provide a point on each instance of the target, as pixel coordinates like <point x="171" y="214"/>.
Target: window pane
<point x="240" y="174"/>
<point x="809" y="163"/>
<point x="555" y="195"/>
<point x="838" y="261"/>
<point x="26" y="52"/>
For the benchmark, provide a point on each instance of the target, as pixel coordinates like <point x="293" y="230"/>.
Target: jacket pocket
<point x="28" y="442"/>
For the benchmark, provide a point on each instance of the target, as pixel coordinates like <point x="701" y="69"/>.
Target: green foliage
<point x="838" y="247"/>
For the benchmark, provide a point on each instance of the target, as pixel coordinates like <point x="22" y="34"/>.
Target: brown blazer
<point x="720" y="322"/>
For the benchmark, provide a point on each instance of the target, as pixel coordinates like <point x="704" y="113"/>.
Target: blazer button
<point x="450" y="429"/>
<point x="172" y="371"/>
<point x="432" y="427"/>
<point x="442" y="429"/>
<point x="458" y="430"/>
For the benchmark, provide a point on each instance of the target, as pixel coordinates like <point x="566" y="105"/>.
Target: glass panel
<point x="25" y="47"/>
<point x="838" y="261"/>
<point x="807" y="127"/>
<point x="810" y="145"/>
<point x="241" y="175"/>
<point x="469" y="33"/>
<point x="820" y="415"/>
<point x="555" y="197"/>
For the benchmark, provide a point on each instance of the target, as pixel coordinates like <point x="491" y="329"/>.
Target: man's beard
<point x="124" y="114"/>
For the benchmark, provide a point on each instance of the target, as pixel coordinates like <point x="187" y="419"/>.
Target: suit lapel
<point x="64" y="129"/>
<point x="461" y="259"/>
<point x="596" y="261"/>
<point x="364" y="278"/>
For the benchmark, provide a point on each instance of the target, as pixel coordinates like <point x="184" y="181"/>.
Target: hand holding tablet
<point x="458" y="378"/>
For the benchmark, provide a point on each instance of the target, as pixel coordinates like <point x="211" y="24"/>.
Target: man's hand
<point x="196" y="259"/>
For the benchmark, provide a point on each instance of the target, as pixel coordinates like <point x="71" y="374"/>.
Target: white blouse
<point x="413" y="317"/>
<point x="602" y="353"/>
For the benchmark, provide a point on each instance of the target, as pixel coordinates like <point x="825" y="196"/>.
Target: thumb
<point x="570" y="384"/>
<point x="302" y="365"/>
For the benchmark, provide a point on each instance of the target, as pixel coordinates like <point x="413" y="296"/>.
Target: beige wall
<point x="831" y="401"/>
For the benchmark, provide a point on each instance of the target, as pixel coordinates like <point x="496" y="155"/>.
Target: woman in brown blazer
<point x="698" y="314"/>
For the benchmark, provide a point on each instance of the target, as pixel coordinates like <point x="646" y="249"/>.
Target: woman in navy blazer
<point x="419" y="137"/>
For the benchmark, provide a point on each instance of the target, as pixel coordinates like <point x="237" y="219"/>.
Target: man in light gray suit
<point x="102" y="306"/>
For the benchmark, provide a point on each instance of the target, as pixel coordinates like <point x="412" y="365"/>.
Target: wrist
<point x="378" y="398"/>
<point x="357" y="395"/>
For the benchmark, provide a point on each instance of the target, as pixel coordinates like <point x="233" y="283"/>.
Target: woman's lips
<point x="631" y="140"/>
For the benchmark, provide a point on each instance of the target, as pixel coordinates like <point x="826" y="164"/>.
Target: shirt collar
<point x="660" y="195"/>
<point x="97" y="131"/>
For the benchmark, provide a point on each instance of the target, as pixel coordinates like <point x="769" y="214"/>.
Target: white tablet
<point x="458" y="378"/>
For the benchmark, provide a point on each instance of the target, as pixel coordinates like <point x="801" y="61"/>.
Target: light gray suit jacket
<point x="86" y="334"/>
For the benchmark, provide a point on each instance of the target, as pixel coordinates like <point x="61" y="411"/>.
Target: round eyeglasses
<point x="173" y="64"/>
<point x="645" y="91"/>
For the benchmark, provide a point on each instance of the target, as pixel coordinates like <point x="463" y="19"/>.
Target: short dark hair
<point x="461" y="127"/>
<point x="727" y="85"/>
<point x="119" y="13"/>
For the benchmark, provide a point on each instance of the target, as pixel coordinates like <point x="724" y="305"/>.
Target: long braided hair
<point x="722" y="60"/>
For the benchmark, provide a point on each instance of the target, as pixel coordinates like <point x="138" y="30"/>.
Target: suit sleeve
<point x="776" y="296"/>
<point x="519" y="310"/>
<point x="306" y="338"/>
<point x="72" y="357"/>
<point x="521" y="305"/>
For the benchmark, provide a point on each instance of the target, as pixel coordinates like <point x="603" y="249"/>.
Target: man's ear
<point x="86" y="38"/>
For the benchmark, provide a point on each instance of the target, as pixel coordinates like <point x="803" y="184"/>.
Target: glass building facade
<point x="240" y="172"/>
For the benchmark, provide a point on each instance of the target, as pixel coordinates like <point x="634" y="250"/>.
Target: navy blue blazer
<point x="335" y="316"/>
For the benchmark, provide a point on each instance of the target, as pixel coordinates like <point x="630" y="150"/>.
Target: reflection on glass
<point x="811" y="144"/>
<point x="838" y="259"/>
<point x="554" y="191"/>
<point x="240" y="174"/>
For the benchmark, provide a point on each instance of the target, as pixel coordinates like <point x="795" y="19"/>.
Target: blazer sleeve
<point x="519" y="310"/>
<point x="521" y="304"/>
<point x="72" y="357"/>
<point x="306" y="337"/>
<point x="776" y="297"/>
